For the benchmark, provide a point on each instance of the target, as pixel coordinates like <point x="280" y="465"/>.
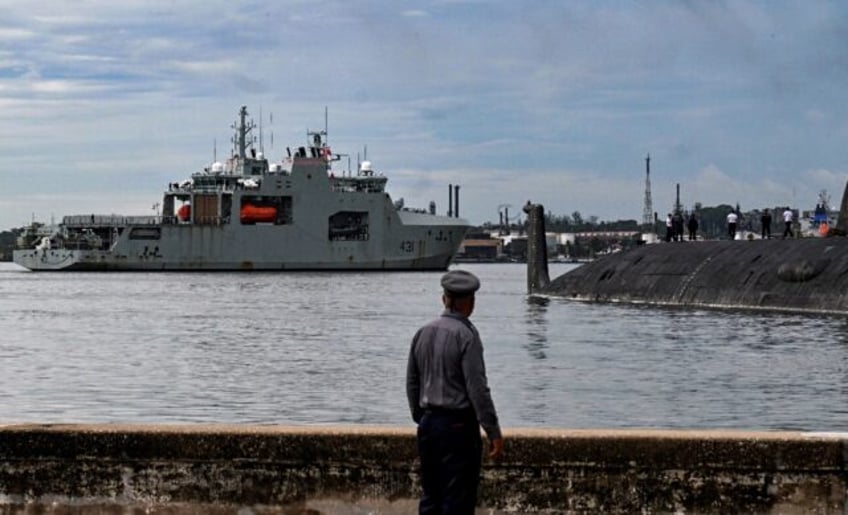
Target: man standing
<point x="449" y="398"/>
<point x="732" y="218"/>
<point x="693" y="227"/>
<point x="787" y="220"/>
<point x="765" y="222"/>
<point x="669" y="228"/>
<point x="677" y="226"/>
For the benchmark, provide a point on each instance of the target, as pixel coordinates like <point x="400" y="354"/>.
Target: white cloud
<point x="558" y="103"/>
<point x="821" y="175"/>
<point x="218" y="68"/>
<point x="56" y="86"/>
<point x="16" y="33"/>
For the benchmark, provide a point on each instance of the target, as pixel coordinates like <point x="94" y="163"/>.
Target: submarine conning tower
<point x="805" y="275"/>
<point x="842" y="220"/>
<point x="537" y="248"/>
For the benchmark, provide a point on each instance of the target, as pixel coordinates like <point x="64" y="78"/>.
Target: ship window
<point x="348" y="226"/>
<point x="226" y="207"/>
<point x="265" y="209"/>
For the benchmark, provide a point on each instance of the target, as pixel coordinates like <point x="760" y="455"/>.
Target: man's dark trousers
<point x="450" y="448"/>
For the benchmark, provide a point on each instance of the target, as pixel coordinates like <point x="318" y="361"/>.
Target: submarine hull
<point x="803" y="275"/>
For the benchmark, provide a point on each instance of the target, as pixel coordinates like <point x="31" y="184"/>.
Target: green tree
<point x="714" y="221"/>
<point x="577" y="218"/>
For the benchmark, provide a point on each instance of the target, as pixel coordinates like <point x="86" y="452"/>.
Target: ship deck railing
<point x="109" y="221"/>
<point x="99" y="221"/>
<point x="358" y="184"/>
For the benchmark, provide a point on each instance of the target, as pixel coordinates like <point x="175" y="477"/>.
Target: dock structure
<point x="355" y="469"/>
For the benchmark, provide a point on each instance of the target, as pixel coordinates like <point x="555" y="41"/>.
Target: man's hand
<point x="496" y="448"/>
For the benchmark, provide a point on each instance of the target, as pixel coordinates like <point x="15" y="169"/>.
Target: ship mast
<point x="242" y="133"/>
<point x="647" y="204"/>
<point x="261" y="139"/>
<point x="317" y="141"/>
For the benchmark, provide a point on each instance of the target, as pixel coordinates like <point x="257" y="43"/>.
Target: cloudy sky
<point x="102" y="103"/>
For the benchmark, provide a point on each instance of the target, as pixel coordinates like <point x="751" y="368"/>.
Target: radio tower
<point x="648" y="208"/>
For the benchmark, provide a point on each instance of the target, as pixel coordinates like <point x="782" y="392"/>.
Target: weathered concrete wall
<point x="269" y="469"/>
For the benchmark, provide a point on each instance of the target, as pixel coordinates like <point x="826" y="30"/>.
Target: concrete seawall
<point x="355" y="469"/>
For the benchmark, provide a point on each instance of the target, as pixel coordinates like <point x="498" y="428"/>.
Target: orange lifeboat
<point x="257" y="214"/>
<point x="184" y="213"/>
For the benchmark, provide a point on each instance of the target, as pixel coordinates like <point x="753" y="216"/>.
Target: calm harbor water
<point x="322" y="348"/>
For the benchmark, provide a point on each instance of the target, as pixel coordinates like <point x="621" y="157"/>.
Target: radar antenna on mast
<point x="242" y="139"/>
<point x="647" y="208"/>
<point x="318" y="142"/>
<point x="261" y="139"/>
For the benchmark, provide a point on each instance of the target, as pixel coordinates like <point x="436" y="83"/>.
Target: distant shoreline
<point x="519" y="261"/>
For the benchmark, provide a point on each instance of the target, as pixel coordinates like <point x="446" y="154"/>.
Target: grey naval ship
<point x="251" y="214"/>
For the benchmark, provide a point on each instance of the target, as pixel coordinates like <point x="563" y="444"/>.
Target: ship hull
<point x="87" y="264"/>
<point x="98" y="261"/>
<point x="795" y="276"/>
<point x="268" y="248"/>
<point x="808" y="275"/>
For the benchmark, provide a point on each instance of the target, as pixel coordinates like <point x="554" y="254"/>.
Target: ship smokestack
<point x="450" y="200"/>
<point x="456" y="201"/>
<point x="677" y="205"/>
<point x="537" y="248"/>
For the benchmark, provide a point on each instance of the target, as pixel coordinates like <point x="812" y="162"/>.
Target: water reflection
<point x="331" y="348"/>
<point x="537" y="326"/>
<point x="537" y="377"/>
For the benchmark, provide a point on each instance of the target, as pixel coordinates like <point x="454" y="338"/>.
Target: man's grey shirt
<point x="446" y="370"/>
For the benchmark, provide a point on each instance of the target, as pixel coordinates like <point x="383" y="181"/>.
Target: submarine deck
<point x="803" y="276"/>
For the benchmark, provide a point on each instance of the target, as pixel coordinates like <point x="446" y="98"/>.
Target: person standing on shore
<point x="732" y="218"/>
<point x="765" y="223"/>
<point x="669" y="228"/>
<point x="692" y="225"/>
<point x="449" y="399"/>
<point x="787" y="220"/>
<point x="677" y="226"/>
